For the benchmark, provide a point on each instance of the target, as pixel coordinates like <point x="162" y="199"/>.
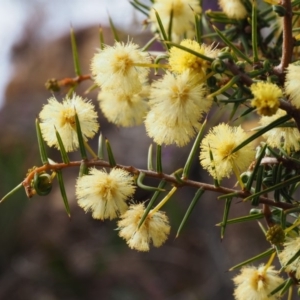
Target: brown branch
<point x="291" y="111"/>
<point x="288" y="41"/>
<point x="246" y="79"/>
<point x="55" y="85"/>
<point x="169" y="178"/>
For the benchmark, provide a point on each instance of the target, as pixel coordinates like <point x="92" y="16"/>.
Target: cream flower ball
<point x="219" y="143"/>
<point x="61" y="116"/>
<point x="105" y="194"/>
<point x="177" y="104"/>
<point x="121" y="68"/>
<point x="183" y="16"/>
<point x="257" y="283"/>
<point x="155" y="228"/>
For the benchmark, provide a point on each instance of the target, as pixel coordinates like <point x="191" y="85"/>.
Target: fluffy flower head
<point x="181" y="60"/>
<point x="105" y="194"/>
<point x="291" y="247"/>
<point x="124" y="109"/>
<point x="286" y="137"/>
<point x="61" y="115"/>
<point x="183" y="16"/>
<point x="292" y="83"/>
<point x="233" y="9"/>
<point x="119" y="68"/>
<point x="256" y="283"/>
<point x="220" y="141"/>
<point x="177" y="104"/>
<point x="155" y="228"/>
<point x="266" y="96"/>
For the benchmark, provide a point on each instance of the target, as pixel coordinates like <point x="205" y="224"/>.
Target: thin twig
<point x="288" y="41"/>
<point x="169" y="178"/>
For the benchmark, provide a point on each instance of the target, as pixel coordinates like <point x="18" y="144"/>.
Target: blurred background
<point x="44" y="254"/>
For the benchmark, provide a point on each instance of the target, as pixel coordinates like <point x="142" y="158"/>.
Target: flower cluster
<point x="289" y="256"/>
<point x="154" y="229"/>
<point x="177" y="103"/>
<point x="105" y="194"/>
<point x="183" y="15"/>
<point x="122" y="73"/>
<point x="217" y="155"/>
<point x="257" y="283"/>
<point x="190" y="76"/>
<point x="234" y="9"/>
<point x="181" y="60"/>
<point x="292" y="84"/>
<point x="60" y="116"/>
<point x="287" y="138"/>
<point x="266" y="96"/>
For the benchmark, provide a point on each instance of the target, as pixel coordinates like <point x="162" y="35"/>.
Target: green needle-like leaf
<point x="111" y="158"/>
<point x="83" y="170"/>
<point x="114" y="30"/>
<point x="158" y="159"/>
<point x="197" y="196"/>
<point x="139" y="8"/>
<point x="75" y="53"/>
<point x="236" y="50"/>
<point x="275" y="187"/>
<point x="257" y="164"/>
<point x="194" y="151"/>
<point x="189" y="51"/>
<point x="161" y="28"/>
<point x="42" y="147"/>
<point x="258" y="186"/>
<point x="150" y="158"/>
<point x="288" y="283"/>
<point x="101" y="38"/>
<point x="62" y="149"/>
<point x="198" y="27"/>
<point x="151" y="202"/>
<point x="11" y="192"/>
<point x="225" y="216"/>
<point x="80" y="138"/>
<point x="146" y="187"/>
<point x="261" y="132"/>
<point x="63" y="192"/>
<point x="252" y="259"/>
<point x="170" y="25"/>
<point x="101" y="147"/>
<point x="243" y="219"/>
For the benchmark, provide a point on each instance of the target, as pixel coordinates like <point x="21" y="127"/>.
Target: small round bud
<point x="42" y="184"/>
<point x="245" y="176"/>
<point x="275" y="235"/>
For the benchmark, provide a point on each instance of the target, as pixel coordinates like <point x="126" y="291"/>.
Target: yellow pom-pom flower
<point x="286" y="137"/>
<point x="105" y="194"/>
<point x="183" y="16"/>
<point x="220" y="141"/>
<point x="177" y="104"/>
<point x="292" y="83"/>
<point x="124" y="109"/>
<point x="266" y="96"/>
<point x="291" y="248"/>
<point x="257" y="283"/>
<point x="181" y="60"/>
<point x="122" y="68"/>
<point x="61" y="116"/>
<point x="234" y="9"/>
<point x="155" y="228"/>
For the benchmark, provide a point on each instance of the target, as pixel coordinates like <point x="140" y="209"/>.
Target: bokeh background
<point x="44" y="254"/>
